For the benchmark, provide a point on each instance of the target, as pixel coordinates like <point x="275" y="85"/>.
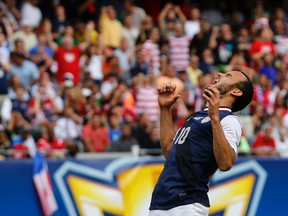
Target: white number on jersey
<point x="182" y="136"/>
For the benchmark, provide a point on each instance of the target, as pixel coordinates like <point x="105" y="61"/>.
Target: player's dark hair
<point x="248" y="91"/>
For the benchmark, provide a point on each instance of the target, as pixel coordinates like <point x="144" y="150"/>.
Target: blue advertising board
<point x="123" y="186"/>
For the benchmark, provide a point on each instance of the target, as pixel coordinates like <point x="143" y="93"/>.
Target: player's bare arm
<point x="166" y="99"/>
<point x="224" y="154"/>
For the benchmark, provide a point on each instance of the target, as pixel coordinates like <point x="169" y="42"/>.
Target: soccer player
<point x="206" y="142"/>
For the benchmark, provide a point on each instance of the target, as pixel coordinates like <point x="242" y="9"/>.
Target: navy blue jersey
<point x="189" y="165"/>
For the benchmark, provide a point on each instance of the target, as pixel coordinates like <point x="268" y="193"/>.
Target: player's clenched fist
<point x="167" y="96"/>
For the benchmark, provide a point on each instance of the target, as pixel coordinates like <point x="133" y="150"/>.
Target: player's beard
<point x="223" y="88"/>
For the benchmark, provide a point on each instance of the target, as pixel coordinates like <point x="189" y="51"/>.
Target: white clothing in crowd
<point x="31" y="14"/>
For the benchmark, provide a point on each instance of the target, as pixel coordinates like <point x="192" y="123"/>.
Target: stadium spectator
<point x="285" y="124"/>
<point x="201" y="40"/>
<point x="193" y="71"/>
<point x="146" y="26"/>
<point x="142" y="129"/>
<point x="49" y="145"/>
<point x="24" y="146"/>
<point x="87" y="10"/>
<point x="140" y="66"/>
<point x="170" y="76"/>
<point x="31" y="13"/>
<point x="179" y="48"/>
<point x="213" y="13"/>
<point x="4" y="52"/>
<point x="110" y="28"/>
<point x="114" y="128"/>
<point x="59" y="22"/>
<point x="280" y="35"/>
<point x="146" y="98"/>
<point x="152" y="144"/>
<point x="207" y="61"/>
<point x="197" y="100"/>
<point x="95" y="135"/>
<point x="15" y="127"/>
<point x="26" y="34"/>
<point x="137" y="13"/>
<point x="124" y="55"/>
<point x="244" y="40"/>
<point x="224" y="45"/>
<point x="11" y="12"/>
<point x="43" y="107"/>
<point x="46" y="82"/>
<point x="192" y="25"/>
<point x="19" y="47"/>
<point x="264" y="94"/>
<point x="92" y="62"/>
<point x="14" y="83"/>
<point x="26" y="70"/>
<point x="130" y="32"/>
<point x="68" y="128"/>
<point x="125" y="141"/>
<point x="269" y="69"/>
<point x="109" y="85"/>
<point x="4" y="67"/>
<point x="74" y="98"/>
<point x="5" y="143"/>
<point x="261" y="45"/>
<point x="67" y="57"/>
<point x="111" y="65"/>
<point x="20" y="104"/>
<point x="279" y="133"/>
<point x="258" y="119"/>
<point x="151" y="52"/>
<point x="123" y="96"/>
<point x="240" y="62"/>
<point x="264" y="143"/>
<point x="86" y="30"/>
<point x="42" y="54"/>
<point x="164" y="55"/>
<point x="168" y="17"/>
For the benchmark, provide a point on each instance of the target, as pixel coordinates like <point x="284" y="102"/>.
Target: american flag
<point x="42" y="182"/>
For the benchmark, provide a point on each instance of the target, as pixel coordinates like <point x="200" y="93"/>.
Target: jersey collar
<point x="223" y="109"/>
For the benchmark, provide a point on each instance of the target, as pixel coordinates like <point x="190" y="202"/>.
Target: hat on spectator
<point x="86" y="92"/>
<point x="68" y="75"/>
<point x="18" y="39"/>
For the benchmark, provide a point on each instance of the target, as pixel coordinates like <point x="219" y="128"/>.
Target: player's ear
<point x="236" y="92"/>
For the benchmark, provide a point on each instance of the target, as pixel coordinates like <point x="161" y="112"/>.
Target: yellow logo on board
<point x="125" y="188"/>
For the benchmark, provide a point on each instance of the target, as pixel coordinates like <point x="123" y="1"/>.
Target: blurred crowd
<point x="87" y="81"/>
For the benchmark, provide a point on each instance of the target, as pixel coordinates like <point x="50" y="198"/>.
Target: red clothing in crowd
<point x="179" y="52"/>
<point x="265" y="98"/>
<point x="55" y="144"/>
<point x="46" y="146"/>
<point x="258" y="46"/>
<point x="68" y="61"/>
<point x="99" y="137"/>
<point x="264" y="143"/>
<point x="20" y="151"/>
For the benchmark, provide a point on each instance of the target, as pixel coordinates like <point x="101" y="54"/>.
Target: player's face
<point x="223" y="82"/>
